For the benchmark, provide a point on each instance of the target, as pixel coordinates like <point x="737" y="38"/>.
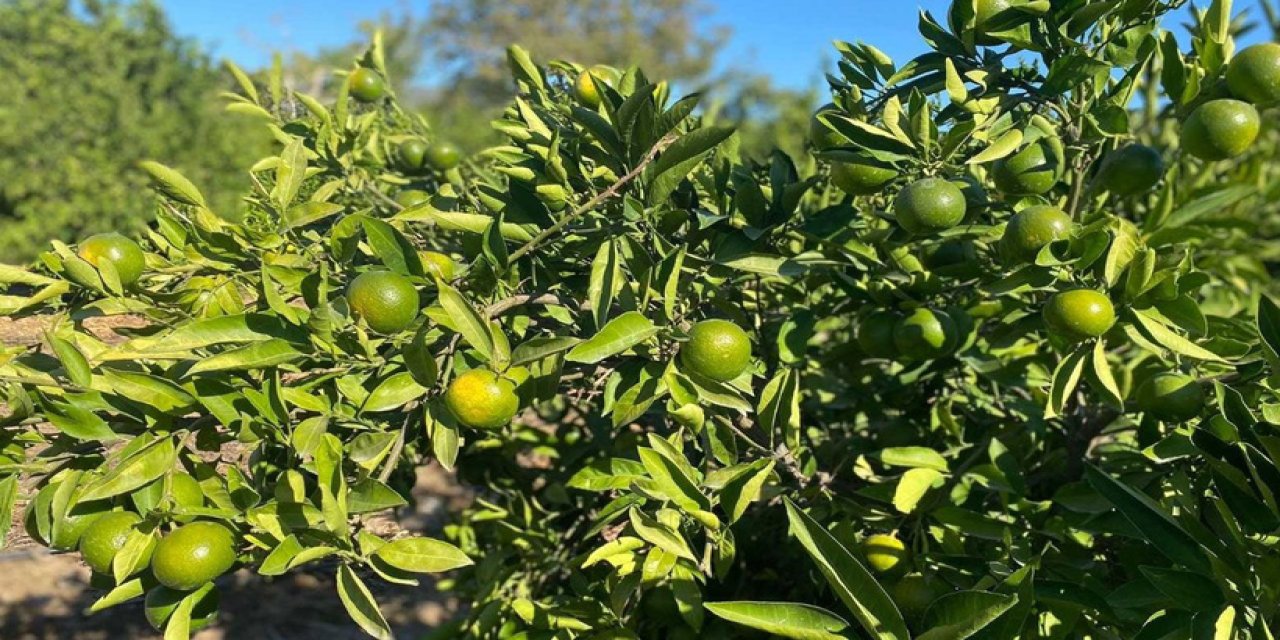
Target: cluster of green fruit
<point x="414" y="155"/>
<point x="185" y="560"/>
<point x="929" y="207"/>
<point x="1225" y="128"/>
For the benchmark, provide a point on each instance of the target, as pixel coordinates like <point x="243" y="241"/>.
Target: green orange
<point x="1079" y="314"/>
<point x="193" y="555"/>
<point x="925" y="334"/>
<point x="482" y="399"/>
<point x="929" y="206"/>
<point x="875" y="334"/>
<point x="1171" y="397"/>
<point x="1032" y="229"/>
<point x="1032" y="171"/>
<point x="438" y="264"/>
<point x="121" y="252"/>
<point x="1131" y="170"/>
<point x="913" y="593"/>
<point x="366" y="85"/>
<point x="717" y="349"/>
<point x="584" y="88"/>
<point x="821" y="136"/>
<point x="1254" y="74"/>
<point x="412" y="153"/>
<point x="386" y="301"/>
<point x="1220" y="129"/>
<point x="443" y="156"/>
<point x="861" y="178"/>
<point x="883" y="552"/>
<point x="104" y="537"/>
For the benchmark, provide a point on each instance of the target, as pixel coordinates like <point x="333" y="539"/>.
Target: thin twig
<point x="612" y="191"/>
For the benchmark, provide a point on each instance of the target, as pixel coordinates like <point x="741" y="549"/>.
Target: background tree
<point x="92" y="89"/>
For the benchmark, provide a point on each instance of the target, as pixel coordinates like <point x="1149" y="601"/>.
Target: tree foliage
<point x="947" y="428"/>
<point x="94" y="88"/>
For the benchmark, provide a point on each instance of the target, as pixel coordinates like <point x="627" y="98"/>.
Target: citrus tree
<point x="995" y="361"/>
<point x="94" y="88"/>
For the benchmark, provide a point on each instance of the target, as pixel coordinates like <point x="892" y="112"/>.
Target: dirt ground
<point x="43" y="595"/>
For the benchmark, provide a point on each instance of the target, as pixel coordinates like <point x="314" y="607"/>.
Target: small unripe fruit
<point x="412" y="154"/>
<point x="1131" y="170"/>
<point x="860" y="178"/>
<point x="481" y="399"/>
<point x="1254" y="74"/>
<point x="925" y="334"/>
<point x="1220" y="129"/>
<point x="584" y="88"/>
<point x="717" y="349"/>
<point x="443" y="156"/>
<point x="875" y="334"/>
<point x="1032" y="171"/>
<point x="883" y="552"/>
<point x="929" y="206"/>
<point x="366" y="85"/>
<point x="1032" y="229"/>
<point x="1171" y="397"/>
<point x="1079" y="314"/>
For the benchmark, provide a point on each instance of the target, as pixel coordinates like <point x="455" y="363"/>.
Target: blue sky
<point x="790" y="40"/>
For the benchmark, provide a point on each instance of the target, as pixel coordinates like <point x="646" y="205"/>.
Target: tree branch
<point x="612" y="191"/>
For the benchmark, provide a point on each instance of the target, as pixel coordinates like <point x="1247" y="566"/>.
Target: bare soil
<point x="43" y="595"/>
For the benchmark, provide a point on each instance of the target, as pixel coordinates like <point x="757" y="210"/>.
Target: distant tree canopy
<point x="456" y="56"/>
<point x="92" y="88"/>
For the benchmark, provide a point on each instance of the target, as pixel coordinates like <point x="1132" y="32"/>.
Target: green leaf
<point x="1002" y="147"/>
<point x="1066" y="377"/>
<point x="660" y="535"/>
<point x="149" y="390"/>
<point x="394" y="392"/>
<point x="1101" y="370"/>
<point x="1158" y="333"/>
<point x="784" y="619"/>
<point x="672" y="479"/>
<point x="208" y="332"/>
<point x="1153" y="522"/>
<point x="1269" y="327"/>
<point x="468" y="321"/>
<point x="119" y="595"/>
<point x="606" y="279"/>
<point x="619" y="335"/>
<point x="360" y="605"/>
<point x="370" y="495"/>
<point x="912" y="486"/>
<point x="173" y="184"/>
<point x="744" y="488"/>
<point x="392" y="248"/>
<point x="73" y="361"/>
<point x="144" y="466"/>
<point x="780" y="407"/>
<point x="301" y="215"/>
<point x="851" y="581"/>
<point x="422" y="555"/>
<point x="957" y="616"/>
<point x="681" y="158"/>
<point x="1215" y="202"/>
<point x="8" y="496"/>
<point x="257" y="356"/>
<point x="914" y="457"/>
<point x="291" y="171"/>
<point x="538" y="348"/>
